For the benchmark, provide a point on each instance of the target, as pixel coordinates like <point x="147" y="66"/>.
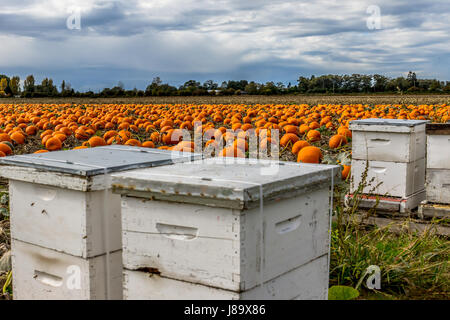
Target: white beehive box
<point x="388" y="140"/>
<point x="438" y="186"/>
<point x="394" y="179"/>
<point x="57" y="198"/>
<point x="202" y="223"/>
<point x="438" y="146"/>
<point x="62" y="200"/>
<point x="438" y="163"/>
<point x="45" y="274"/>
<point x="303" y="283"/>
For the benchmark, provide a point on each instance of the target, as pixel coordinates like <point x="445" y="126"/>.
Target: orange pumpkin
<point x="313" y="135"/>
<point x="337" y="141"/>
<point x="53" y="144"/>
<point x="298" y="146"/>
<point x="288" y="138"/>
<point x="148" y="144"/>
<point x="346" y="172"/>
<point x="5" y="148"/>
<point x="309" y="154"/>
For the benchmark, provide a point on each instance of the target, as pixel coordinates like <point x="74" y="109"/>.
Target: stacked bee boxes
<point x="218" y="230"/>
<point x="438" y="172"/>
<point x="65" y="222"/>
<point x="391" y="154"/>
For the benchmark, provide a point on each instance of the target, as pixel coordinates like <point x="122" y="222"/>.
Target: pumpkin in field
<point x="344" y="132"/>
<point x="184" y="146"/>
<point x="299" y="145"/>
<point x="313" y="135"/>
<point x="314" y="125"/>
<point x="346" y="172"/>
<point x="61" y="136"/>
<point x="53" y="144"/>
<point x="337" y="141"/>
<point x="133" y="142"/>
<point x="31" y="130"/>
<point x="109" y="134"/>
<point x="96" y="142"/>
<point x="45" y="133"/>
<point x="18" y="138"/>
<point x="232" y="152"/>
<point x="309" y="154"/>
<point x="5" y="148"/>
<point x="304" y="128"/>
<point x="288" y="138"/>
<point x="5" y="137"/>
<point x="148" y="144"/>
<point x="291" y="129"/>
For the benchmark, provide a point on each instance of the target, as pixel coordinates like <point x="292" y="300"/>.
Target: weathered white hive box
<point x="395" y="152"/>
<point x="199" y="231"/>
<point x="438" y="163"/>
<point x="62" y="202"/>
<point x="390" y="140"/>
<point x="41" y="273"/>
<point x="395" y="179"/>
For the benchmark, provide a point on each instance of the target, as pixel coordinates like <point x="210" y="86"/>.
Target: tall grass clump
<point x="413" y="265"/>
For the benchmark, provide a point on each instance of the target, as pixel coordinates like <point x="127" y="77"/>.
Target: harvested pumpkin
<point x="309" y="154"/>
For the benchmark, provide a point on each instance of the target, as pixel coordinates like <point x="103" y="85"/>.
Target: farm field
<point x="26" y="127"/>
<point x="311" y="129"/>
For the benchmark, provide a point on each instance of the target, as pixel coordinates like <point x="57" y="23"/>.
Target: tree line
<point x="325" y="84"/>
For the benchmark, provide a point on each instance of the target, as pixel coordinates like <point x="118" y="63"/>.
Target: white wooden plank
<point x="438" y="186"/>
<point x="296" y="231"/>
<point x="307" y="282"/>
<point x="218" y="248"/>
<point x="65" y="220"/>
<point x="438" y="151"/>
<point x="396" y="179"/>
<point x="388" y="146"/>
<point x="44" y="274"/>
<point x="171" y="218"/>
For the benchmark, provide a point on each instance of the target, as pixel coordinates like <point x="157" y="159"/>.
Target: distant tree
<point x="191" y="84"/>
<point x="412" y="78"/>
<point x="3" y="85"/>
<point x="252" y="88"/>
<point x="157" y="81"/>
<point x="210" y="85"/>
<point x="47" y="88"/>
<point x="269" y="88"/>
<point x="280" y="87"/>
<point x="28" y="84"/>
<point x="447" y="87"/>
<point x="14" y="84"/>
<point x="380" y="82"/>
<point x="303" y="84"/>
<point x="435" y="86"/>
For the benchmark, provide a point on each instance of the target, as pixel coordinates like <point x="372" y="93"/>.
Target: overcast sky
<point x="178" y="40"/>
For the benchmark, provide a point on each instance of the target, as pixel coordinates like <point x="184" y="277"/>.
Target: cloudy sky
<point x="135" y="40"/>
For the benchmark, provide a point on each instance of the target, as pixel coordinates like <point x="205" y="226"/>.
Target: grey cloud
<point x="258" y="40"/>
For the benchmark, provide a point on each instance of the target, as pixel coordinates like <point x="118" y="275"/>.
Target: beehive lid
<point x="225" y="182"/>
<point x="96" y="161"/>
<point x="387" y="125"/>
<point x="438" y="129"/>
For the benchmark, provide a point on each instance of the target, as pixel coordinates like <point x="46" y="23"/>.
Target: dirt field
<point x="247" y="99"/>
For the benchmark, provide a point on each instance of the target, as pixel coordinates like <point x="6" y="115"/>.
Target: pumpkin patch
<point x="306" y="133"/>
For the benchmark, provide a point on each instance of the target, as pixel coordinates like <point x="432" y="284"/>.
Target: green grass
<point x="413" y="265"/>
